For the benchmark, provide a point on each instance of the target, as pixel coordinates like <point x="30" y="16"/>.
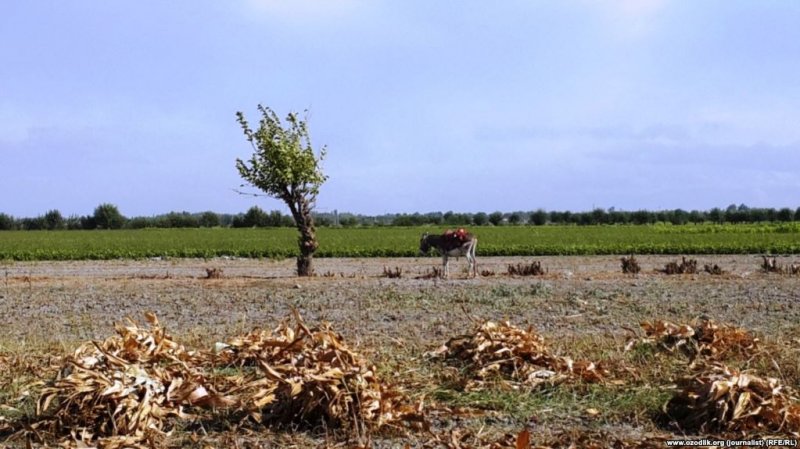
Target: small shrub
<point x="713" y="269"/>
<point x="213" y="273"/>
<point x="432" y="273"/>
<point x="630" y="265"/>
<point x="534" y="269"/>
<point x="685" y="267"/>
<point x="392" y="274"/>
<point x="771" y="265"/>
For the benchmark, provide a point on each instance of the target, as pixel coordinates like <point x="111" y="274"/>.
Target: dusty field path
<point x="70" y="301"/>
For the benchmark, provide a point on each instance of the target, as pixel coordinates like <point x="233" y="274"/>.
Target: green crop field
<point x="400" y="241"/>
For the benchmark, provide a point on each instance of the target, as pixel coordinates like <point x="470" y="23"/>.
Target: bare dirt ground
<point x="579" y="301"/>
<point x="73" y="301"/>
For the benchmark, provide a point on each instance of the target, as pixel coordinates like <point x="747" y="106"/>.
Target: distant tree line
<point x="599" y="216"/>
<point x="108" y="216"/>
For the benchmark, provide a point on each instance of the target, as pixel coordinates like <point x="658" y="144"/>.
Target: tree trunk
<point x="301" y="212"/>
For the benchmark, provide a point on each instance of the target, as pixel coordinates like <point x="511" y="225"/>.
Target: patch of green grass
<point x="613" y="404"/>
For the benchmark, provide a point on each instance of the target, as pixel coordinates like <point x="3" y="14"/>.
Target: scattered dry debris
<point x="488" y="273"/>
<point x="432" y="273"/>
<point x="771" y="265"/>
<point x="213" y="273"/>
<point x="722" y="399"/>
<point x="534" y="269"/>
<point x="513" y="355"/>
<point x="467" y="439"/>
<point x="685" y="267"/>
<point x="166" y="275"/>
<point x="392" y="274"/>
<point x="704" y="338"/>
<point x="713" y="269"/>
<point x="630" y="265"/>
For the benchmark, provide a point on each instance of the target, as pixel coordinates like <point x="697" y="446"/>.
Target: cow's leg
<point x="445" y="263"/>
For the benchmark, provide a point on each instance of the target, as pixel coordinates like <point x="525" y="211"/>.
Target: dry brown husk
<point x="124" y="389"/>
<point x="129" y="390"/>
<point x="534" y="269"/>
<point x="704" y="338"/>
<point x="307" y="375"/>
<point x="718" y="398"/>
<point x="515" y="356"/>
<point x="578" y="438"/>
<point x="684" y="267"/>
<point x="630" y="265"/>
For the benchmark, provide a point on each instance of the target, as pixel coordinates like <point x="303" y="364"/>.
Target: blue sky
<point x="424" y="106"/>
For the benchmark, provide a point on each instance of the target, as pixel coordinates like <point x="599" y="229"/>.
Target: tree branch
<point x="251" y="194"/>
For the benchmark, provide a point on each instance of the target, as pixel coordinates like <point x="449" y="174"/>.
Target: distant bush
<point x="178" y="220"/>
<point x="107" y="216"/>
<point x="538" y="218"/>
<point x="7" y="223"/>
<point x="53" y="220"/>
<point x="140" y="223"/>
<point x="209" y="220"/>
<point x="33" y="224"/>
<point x="257" y="218"/>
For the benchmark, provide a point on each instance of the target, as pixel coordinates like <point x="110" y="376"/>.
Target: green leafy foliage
<point x="283" y="162"/>
<point x="107" y="216"/>
<point x="393" y="242"/>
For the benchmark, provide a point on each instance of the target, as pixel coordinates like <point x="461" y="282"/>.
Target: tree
<point x="255" y="218"/>
<point x="209" y="219"/>
<point x="480" y="219"/>
<point x="53" y="220"/>
<point x="716" y="215"/>
<point x="34" y="224"/>
<point x="785" y="214"/>
<point x="7" y="222"/>
<point x="496" y="218"/>
<point x="107" y="216"/>
<point x="538" y="217"/>
<point x="285" y="166"/>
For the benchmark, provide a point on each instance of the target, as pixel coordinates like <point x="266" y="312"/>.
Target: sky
<point x="423" y="106"/>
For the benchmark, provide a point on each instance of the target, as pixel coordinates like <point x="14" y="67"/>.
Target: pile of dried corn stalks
<point x="309" y="376"/>
<point x="129" y="390"/>
<point x="702" y="338"/>
<point x="721" y="399"/>
<point x="514" y="356"/>
<point x="123" y="390"/>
